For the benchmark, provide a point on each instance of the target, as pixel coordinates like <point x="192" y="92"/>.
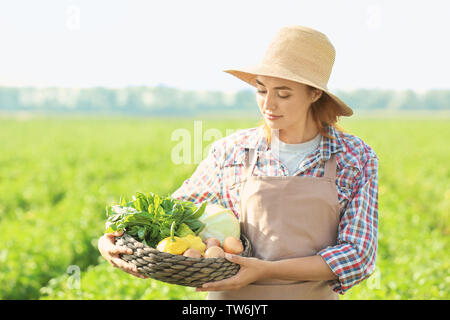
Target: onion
<point x="214" y="252"/>
<point x="212" y="242"/>
<point x="233" y="245"/>
<point x="192" y="253"/>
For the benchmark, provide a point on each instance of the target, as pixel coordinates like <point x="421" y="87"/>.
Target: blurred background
<point x="91" y="94"/>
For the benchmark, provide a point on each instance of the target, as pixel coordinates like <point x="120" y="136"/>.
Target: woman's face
<point x="283" y="103"/>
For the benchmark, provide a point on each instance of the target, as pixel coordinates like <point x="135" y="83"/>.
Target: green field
<point x="58" y="174"/>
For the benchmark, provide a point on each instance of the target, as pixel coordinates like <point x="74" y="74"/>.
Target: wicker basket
<point x="178" y="269"/>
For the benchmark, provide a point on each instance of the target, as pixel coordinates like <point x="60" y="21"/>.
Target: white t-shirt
<point x="291" y="155"/>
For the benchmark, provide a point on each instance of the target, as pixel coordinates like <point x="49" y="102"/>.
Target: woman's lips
<point x="272" y="117"/>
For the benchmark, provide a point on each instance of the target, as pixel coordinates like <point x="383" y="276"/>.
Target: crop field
<point x="58" y="174"/>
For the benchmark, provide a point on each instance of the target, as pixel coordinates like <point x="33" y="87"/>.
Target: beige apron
<point x="287" y="217"/>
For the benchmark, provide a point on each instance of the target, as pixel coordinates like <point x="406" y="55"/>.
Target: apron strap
<point x="330" y="167"/>
<point x="249" y="162"/>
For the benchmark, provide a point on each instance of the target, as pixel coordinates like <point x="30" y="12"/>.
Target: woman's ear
<point x="317" y="93"/>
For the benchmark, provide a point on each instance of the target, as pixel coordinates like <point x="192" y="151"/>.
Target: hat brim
<point x="249" y="74"/>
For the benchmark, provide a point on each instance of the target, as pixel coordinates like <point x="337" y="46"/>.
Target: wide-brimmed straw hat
<point x="300" y="54"/>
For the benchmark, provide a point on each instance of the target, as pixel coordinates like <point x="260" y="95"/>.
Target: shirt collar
<point x="330" y="146"/>
<point x="256" y="140"/>
<point x="260" y="142"/>
<point x="327" y="146"/>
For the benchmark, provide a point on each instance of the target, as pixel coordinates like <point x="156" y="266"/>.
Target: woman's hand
<point x="109" y="251"/>
<point x="252" y="269"/>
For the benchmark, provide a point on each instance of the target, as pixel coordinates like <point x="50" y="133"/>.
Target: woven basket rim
<point x="247" y="249"/>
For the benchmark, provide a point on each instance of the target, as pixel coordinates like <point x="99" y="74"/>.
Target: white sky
<point x="187" y="43"/>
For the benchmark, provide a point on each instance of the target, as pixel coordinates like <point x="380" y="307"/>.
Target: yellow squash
<point x="178" y="245"/>
<point x="173" y="245"/>
<point x="195" y="243"/>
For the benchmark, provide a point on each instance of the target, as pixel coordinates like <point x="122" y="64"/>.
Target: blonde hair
<point x="324" y="114"/>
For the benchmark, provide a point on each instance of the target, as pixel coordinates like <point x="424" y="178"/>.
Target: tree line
<point x="164" y="100"/>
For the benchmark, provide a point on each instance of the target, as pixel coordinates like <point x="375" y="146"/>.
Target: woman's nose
<point x="269" y="103"/>
<point x="270" y="108"/>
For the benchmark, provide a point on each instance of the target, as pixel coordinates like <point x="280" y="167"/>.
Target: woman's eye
<point x="282" y="97"/>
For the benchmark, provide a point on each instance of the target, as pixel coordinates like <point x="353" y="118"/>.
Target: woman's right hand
<point x="109" y="251"/>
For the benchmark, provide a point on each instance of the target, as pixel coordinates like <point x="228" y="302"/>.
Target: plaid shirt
<point x="352" y="259"/>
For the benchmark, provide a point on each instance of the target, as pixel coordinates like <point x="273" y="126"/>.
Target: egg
<point x="192" y="253"/>
<point x="214" y="252"/>
<point x="233" y="245"/>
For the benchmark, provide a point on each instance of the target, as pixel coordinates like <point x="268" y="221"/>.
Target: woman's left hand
<point x="252" y="269"/>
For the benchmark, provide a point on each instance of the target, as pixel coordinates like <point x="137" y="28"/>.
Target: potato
<point x="233" y="245"/>
<point x="214" y="252"/>
<point x="192" y="253"/>
<point x="211" y="242"/>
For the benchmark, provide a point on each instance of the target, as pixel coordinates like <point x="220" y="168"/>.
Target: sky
<point x="187" y="44"/>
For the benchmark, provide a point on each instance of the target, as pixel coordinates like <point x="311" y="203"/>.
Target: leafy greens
<point x="148" y="218"/>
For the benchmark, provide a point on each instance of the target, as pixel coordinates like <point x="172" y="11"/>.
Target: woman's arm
<point x="205" y="183"/>
<point x="313" y="268"/>
<point x="352" y="259"/>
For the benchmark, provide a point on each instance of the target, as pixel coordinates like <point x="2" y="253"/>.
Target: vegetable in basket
<point x="195" y="242"/>
<point x="172" y="244"/>
<point x="220" y="223"/>
<point x="150" y="218"/>
<point x="178" y="245"/>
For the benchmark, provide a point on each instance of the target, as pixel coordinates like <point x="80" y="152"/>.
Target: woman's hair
<point x="324" y="114"/>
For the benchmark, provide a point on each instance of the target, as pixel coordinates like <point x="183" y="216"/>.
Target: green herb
<point x="184" y="230"/>
<point x="151" y="218"/>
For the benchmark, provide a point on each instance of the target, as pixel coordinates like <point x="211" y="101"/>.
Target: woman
<point x="305" y="192"/>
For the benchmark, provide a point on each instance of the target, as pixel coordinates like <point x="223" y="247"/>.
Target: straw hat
<point x="300" y="54"/>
